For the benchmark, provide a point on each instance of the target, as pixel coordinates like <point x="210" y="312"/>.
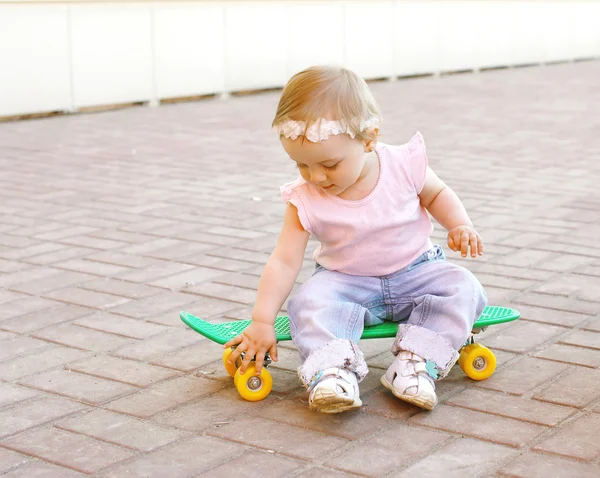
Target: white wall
<point x="62" y="56"/>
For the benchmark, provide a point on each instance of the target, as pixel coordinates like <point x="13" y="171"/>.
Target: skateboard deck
<point x="223" y="332"/>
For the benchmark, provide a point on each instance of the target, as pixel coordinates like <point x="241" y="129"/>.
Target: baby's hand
<point x="256" y="340"/>
<point x="461" y="237"/>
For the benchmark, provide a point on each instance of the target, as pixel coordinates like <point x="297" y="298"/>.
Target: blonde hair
<point x="329" y="92"/>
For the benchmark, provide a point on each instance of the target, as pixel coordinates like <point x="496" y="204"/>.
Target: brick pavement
<point x="111" y="223"/>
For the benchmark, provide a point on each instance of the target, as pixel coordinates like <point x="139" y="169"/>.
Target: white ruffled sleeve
<point x="418" y="161"/>
<point x="291" y="193"/>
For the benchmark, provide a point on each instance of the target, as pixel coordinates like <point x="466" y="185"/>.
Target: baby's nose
<point x="317" y="177"/>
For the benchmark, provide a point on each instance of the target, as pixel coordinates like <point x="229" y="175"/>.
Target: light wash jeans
<point x="435" y="301"/>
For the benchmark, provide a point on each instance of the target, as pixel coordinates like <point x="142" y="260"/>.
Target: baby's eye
<point x="332" y="168"/>
<point x="300" y="166"/>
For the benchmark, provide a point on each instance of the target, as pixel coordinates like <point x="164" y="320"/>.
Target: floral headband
<point x="320" y="129"/>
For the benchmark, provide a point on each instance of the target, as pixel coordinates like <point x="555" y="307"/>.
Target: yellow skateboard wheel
<point x="230" y="367"/>
<point x="477" y="362"/>
<point x="253" y="387"/>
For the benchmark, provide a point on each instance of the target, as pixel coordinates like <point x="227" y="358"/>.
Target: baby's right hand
<point x="257" y="339"/>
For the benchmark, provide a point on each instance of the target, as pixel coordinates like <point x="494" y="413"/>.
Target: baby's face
<point x="334" y="164"/>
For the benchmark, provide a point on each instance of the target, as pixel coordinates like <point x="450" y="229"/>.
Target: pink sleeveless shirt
<point x="379" y="234"/>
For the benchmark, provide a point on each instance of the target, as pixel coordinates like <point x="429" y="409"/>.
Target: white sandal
<point x="408" y="379"/>
<point x="335" y="390"/>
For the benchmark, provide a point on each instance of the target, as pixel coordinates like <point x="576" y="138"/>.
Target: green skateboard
<point x="476" y="361"/>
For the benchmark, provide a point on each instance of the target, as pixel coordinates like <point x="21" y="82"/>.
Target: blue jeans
<point x="435" y="302"/>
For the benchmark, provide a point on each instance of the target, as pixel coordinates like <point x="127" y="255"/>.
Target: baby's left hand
<point x="461" y="237"/>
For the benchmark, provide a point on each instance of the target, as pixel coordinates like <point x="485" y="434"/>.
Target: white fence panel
<point x="586" y="30"/>
<point x="256" y="45"/>
<point x="457" y="36"/>
<point x="66" y="56"/>
<point x="368" y="38"/>
<point x="34" y="59"/>
<point x="316" y="35"/>
<point x="112" y="53"/>
<point x="189" y="49"/>
<point x="415" y="38"/>
<point x="493" y="46"/>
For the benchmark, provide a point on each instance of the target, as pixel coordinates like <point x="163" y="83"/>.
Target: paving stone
<point x="121" y="259"/>
<point x="537" y="465"/>
<point x="67" y="449"/>
<point x="82" y="338"/>
<point x="121" y="430"/>
<point x="35" y="412"/>
<point x="155" y="271"/>
<point x="225" y="292"/>
<point x="85" y="388"/>
<point x="149" y="306"/>
<point x="219" y="263"/>
<point x="20" y="307"/>
<point x="510" y="406"/>
<point x="12" y="394"/>
<point x="57" y="256"/>
<point x="270" y="465"/>
<point x="42" y="469"/>
<point x="205" y="412"/>
<point x="92" y="242"/>
<point x="557" y="302"/>
<point x="10" y="459"/>
<point x="93" y="267"/>
<point x="119" y="325"/>
<point x="593" y="324"/>
<point x="11" y="348"/>
<point x="193" y="357"/>
<point x="320" y="472"/>
<point x="569" y="354"/>
<point x="188" y="281"/>
<point x="163" y="396"/>
<point x="522" y="376"/>
<point x="209" y="307"/>
<point x="551" y="316"/>
<point x="451" y="460"/>
<point x="121" y="288"/>
<point x="159" y="344"/>
<point x="578" y="439"/>
<point x="27" y="275"/>
<point x="504" y="431"/>
<point x="127" y="371"/>
<point x="523" y="336"/>
<point x="8" y="296"/>
<point x="576" y="389"/>
<point x="583" y="338"/>
<point x="279" y="437"/>
<point x="174" y="461"/>
<point x="35" y="363"/>
<point x="388" y="451"/>
<point x="350" y="425"/>
<point x="56" y="281"/>
<point x="86" y="298"/>
<point x="44" y="317"/>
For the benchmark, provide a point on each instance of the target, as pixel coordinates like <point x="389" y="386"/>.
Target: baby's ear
<point x="371" y="141"/>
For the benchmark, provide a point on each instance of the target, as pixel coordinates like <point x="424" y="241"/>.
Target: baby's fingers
<point x="451" y="243"/>
<point x="473" y="245"/>
<point x="273" y="353"/>
<point x="236" y="353"/>
<point x="248" y="356"/>
<point x="233" y="341"/>
<point x="260" y="358"/>
<point x="464" y="244"/>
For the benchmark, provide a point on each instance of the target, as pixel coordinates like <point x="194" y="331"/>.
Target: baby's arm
<point x="275" y="284"/>
<point x="447" y="209"/>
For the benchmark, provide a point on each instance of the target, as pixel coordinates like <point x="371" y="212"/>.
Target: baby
<point x="368" y="205"/>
